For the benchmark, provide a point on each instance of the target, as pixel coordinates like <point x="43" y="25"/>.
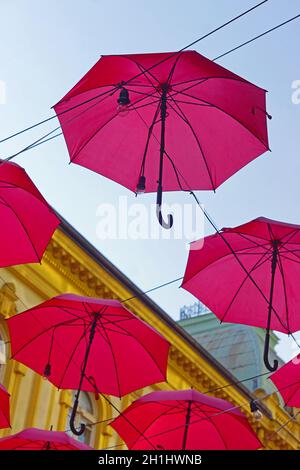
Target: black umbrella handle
<point x="270" y="367"/>
<point x="80" y="431"/>
<point x="162" y="222"/>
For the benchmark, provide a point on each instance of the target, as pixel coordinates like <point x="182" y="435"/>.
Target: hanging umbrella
<point x="248" y="275"/>
<point x="27" y="221"/>
<point x="186" y="123"/>
<point x="4" y="408"/>
<point x="287" y="381"/>
<point x="39" y="439"/>
<point x="185" y="419"/>
<point x="88" y="344"/>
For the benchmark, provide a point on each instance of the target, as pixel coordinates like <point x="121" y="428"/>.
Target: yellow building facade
<point x="72" y="265"/>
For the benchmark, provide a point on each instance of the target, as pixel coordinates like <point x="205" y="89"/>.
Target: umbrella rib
<point x="215" y="426"/>
<point x="194" y="104"/>
<point x="297" y="261"/>
<point x="23" y="226"/>
<point x="41" y="333"/>
<point x="72" y="354"/>
<point x="143" y="347"/>
<point x="142" y="433"/>
<point x="204" y="79"/>
<point x="291" y="235"/>
<point x="250" y="239"/>
<point x="144" y="71"/>
<point x="293" y="394"/>
<point x="101" y="128"/>
<point x="227" y="114"/>
<point x="258" y="264"/>
<point x="185" y="119"/>
<point x="40" y="199"/>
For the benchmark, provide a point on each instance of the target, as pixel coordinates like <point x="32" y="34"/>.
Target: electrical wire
<point x="129" y="80"/>
<point x="257" y="37"/>
<point x="139" y="74"/>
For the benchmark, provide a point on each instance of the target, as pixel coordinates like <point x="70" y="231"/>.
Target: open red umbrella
<point x="287" y="380"/>
<point x="27" y="221"/>
<point x="39" y="439"/>
<point x="185" y="419"/>
<point x="163" y="121"/>
<point x="248" y="275"/>
<point x="4" y="408"/>
<point x="89" y="344"/>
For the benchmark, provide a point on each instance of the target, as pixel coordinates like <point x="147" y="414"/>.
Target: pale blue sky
<point x="47" y="45"/>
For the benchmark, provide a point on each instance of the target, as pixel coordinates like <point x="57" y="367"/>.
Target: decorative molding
<point x="8" y="299"/>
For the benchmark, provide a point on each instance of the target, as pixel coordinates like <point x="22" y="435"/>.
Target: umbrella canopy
<point x="163" y="121"/>
<point x="27" y="221"/>
<point x="89" y="344"/>
<point x="248" y="275"/>
<point x="186" y="419"/>
<point x="287" y="381"/>
<point x="38" y="439"/>
<point x="4" y="408"/>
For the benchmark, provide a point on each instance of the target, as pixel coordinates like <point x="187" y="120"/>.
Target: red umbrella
<point x="38" y="439"/>
<point x="248" y="275"/>
<point x="89" y="344"/>
<point x="27" y="221"/>
<point x="287" y="380"/>
<point x="187" y="123"/>
<point x="4" y="408"/>
<point x="186" y="419"/>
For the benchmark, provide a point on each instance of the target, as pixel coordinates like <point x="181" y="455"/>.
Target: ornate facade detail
<point x="8" y="299"/>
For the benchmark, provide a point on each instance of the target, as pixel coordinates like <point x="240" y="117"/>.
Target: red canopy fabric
<point x="287" y="381"/>
<point x="215" y="121"/>
<point x="39" y="439"/>
<point x="214" y="275"/>
<point x="27" y="221"/>
<point x="4" y="408"/>
<point x="52" y="339"/>
<point x="186" y="419"/>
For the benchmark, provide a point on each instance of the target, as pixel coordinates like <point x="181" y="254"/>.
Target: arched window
<point x="85" y="415"/>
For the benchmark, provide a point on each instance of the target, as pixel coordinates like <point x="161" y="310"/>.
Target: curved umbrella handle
<point x="80" y="431"/>
<point x="170" y="221"/>
<point x="270" y="367"/>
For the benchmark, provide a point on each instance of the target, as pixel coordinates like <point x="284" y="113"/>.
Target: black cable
<point x="138" y="75"/>
<point x="146" y="70"/>
<point x="142" y="294"/>
<point x="257" y="37"/>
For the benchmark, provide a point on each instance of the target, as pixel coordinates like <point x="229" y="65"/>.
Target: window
<point x="84" y="415"/>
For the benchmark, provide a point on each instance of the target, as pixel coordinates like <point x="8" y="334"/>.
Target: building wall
<point x="68" y="267"/>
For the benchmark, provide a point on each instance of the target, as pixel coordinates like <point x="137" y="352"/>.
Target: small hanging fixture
<point x="141" y="186"/>
<point x="123" y="101"/>
<point x="255" y="410"/>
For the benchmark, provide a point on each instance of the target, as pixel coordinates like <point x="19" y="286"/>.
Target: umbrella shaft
<point x="187" y="423"/>
<point x="274" y="265"/>
<point x="87" y="353"/>
<point x="163" y="114"/>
